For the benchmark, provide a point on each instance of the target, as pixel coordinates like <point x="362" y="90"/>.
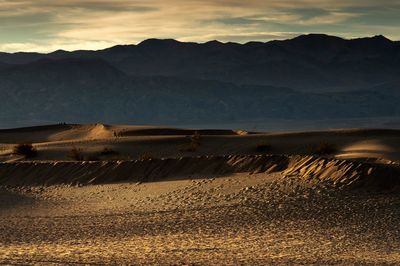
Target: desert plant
<point x="76" y="154"/>
<point x="195" y="139"/>
<point x="145" y="156"/>
<point x="263" y="148"/>
<point x="324" y="148"/>
<point x="193" y="144"/>
<point x="26" y="150"/>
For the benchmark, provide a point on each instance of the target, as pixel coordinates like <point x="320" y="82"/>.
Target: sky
<point x="48" y="25"/>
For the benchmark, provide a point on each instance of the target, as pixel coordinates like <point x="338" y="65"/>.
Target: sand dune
<point x="217" y="152"/>
<point x="131" y="142"/>
<point x="95" y="131"/>
<point x="313" y="171"/>
<point x="160" y="195"/>
<point x="254" y="219"/>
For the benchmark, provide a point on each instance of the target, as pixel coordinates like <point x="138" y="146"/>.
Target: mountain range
<point x="169" y="82"/>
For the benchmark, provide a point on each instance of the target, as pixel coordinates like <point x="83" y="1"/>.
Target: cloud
<point x="55" y="45"/>
<point x="47" y="25"/>
<point x="245" y="37"/>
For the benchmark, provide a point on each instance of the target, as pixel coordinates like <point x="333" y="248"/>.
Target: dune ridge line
<point x="314" y="170"/>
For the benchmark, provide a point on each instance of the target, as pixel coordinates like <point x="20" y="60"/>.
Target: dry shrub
<point x="195" y="139"/>
<point x="26" y="150"/>
<point x="145" y="156"/>
<point x="76" y="154"/>
<point x="193" y="144"/>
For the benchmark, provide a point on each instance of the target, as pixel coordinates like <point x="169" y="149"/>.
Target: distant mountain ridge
<point x="171" y="82"/>
<point x="314" y="62"/>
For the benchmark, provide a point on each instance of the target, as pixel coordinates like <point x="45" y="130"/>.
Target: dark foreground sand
<point x="234" y="219"/>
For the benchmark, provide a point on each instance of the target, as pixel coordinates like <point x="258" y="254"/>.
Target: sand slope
<point x="132" y="142"/>
<point x="234" y="219"/>
<point x="233" y="198"/>
<point x="314" y="171"/>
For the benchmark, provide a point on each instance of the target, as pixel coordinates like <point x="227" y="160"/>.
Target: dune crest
<point x="312" y="170"/>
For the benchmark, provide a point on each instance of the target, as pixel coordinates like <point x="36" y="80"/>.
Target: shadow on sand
<point x="10" y="198"/>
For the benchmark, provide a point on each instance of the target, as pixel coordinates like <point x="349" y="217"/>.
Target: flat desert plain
<point x="101" y="194"/>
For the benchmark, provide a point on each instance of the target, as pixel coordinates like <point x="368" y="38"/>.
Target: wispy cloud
<point x="45" y="25"/>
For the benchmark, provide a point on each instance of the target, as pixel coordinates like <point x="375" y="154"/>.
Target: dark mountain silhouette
<point x="312" y="62"/>
<point x="170" y="82"/>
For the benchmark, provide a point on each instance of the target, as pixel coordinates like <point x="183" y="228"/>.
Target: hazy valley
<point x="311" y="77"/>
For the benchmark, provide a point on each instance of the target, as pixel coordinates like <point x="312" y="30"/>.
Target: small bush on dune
<point x="76" y="154"/>
<point x="195" y="139"/>
<point x="324" y="148"/>
<point x="193" y="145"/>
<point x="145" y="156"/>
<point x="26" y="150"/>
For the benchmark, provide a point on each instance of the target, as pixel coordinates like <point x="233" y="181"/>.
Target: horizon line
<point x="205" y="42"/>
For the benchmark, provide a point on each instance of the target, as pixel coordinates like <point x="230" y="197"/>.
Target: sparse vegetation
<point x="145" y="156"/>
<point x="26" y="150"/>
<point x="324" y="148"/>
<point x="193" y="145"/>
<point x="76" y="154"/>
<point x="262" y="148"/>
<point x="195" y="139"/>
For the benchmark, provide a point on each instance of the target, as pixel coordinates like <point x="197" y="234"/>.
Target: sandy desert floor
<point x="225" y="219"/>
<point x="242" y="218"/>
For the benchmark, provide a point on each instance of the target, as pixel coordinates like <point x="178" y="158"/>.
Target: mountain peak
<point x="316" y="41"/>
<point x="381" y="39"/>
<point x="59" y="51"/>
<point x="159" y="43"/>
<point x="214" y="42"/>
<point x="317" y="38"/>
<point x="376" y="42"/>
